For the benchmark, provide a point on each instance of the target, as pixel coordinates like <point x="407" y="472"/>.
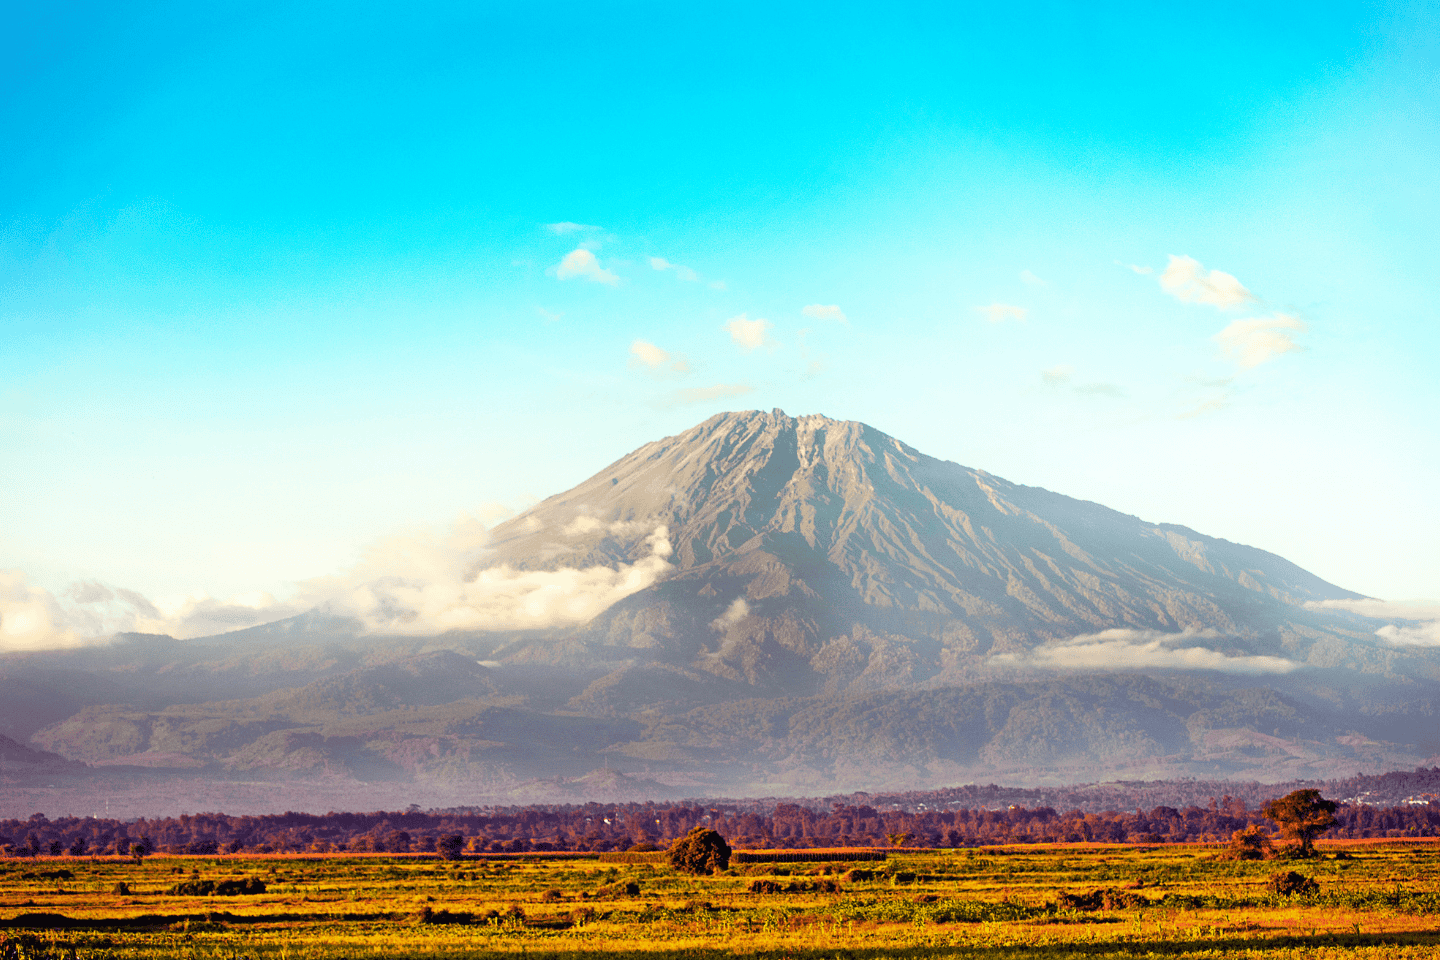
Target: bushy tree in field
<point x="1301" y="816"/>
<point x="1250" y="843"/>
<point x="450" y="846"/>
<point x="702" y="850"/>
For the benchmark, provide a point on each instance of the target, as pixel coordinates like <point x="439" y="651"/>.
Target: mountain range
<point x="765" y="604"/>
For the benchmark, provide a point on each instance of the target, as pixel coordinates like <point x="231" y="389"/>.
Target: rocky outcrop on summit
<point x="822" y="553"/>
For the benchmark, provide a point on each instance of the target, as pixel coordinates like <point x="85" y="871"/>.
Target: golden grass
<point x="1376" y="899"/>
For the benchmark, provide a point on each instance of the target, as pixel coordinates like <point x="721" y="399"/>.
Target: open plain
<point x="1371" y="899"/>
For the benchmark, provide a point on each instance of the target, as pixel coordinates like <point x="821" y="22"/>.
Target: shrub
<point x="1291" y="883"/>
<point x="1107" y="899"/>
<point x="700" y="851"/>
<point x="1251" y="843"/>
<point x="450" y="846"/>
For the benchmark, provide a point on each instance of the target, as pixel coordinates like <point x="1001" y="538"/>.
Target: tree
<point x="702" y="850"/>
<point x="1250" y="843"/>
<point x="450" y="846"/>
<point x="898" y="839"/>
<point x="138" y="852"/>
<point x="1301" y="816"/>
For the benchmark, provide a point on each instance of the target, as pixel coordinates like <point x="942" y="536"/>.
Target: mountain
<point x="812" y="555"/>
<point x="784" y="602"/>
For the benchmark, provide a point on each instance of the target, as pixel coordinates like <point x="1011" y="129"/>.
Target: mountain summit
<point x="801" y="546"/>
<point x="770" y="605"/>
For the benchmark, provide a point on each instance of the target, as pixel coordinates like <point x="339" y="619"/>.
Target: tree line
<point x="610" y="827"/>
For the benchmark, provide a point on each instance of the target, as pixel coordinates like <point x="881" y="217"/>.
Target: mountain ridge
<point x="801" y="601"/>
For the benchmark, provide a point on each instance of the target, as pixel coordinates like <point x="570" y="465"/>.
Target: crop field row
<point x="1367" y="899"/>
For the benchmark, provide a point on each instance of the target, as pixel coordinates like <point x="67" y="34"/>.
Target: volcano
<point x="812" y="554"/>
<point x="795" y="604"/>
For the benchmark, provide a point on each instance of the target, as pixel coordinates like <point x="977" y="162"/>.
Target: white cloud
<point x="1189" y="282"/>
<point x="566" y="226"/>
<point x="1064" y="376"/>
<point x="718" y="285"/>
<point x="1212" y="405"/>
<point x="821" y="311"/>
<point x="423" y="586"/>
<point x="737" y="611"/>
<point x="684" y="273"/>
<point x="547" y="316"/>
<point x="644" y="353"/>
<point x="1000" y="312"/>
<point x="1136" y="268"/>
<point x="1028" y="278"/>
<point x="649" y="354"/>
<point x="582" y="263"/>
<point x="717" y="392"/>
<point x="32" y="618"/>
<point x="1129" y="649"/>
<point x="417" y="584"/>
<point x="1057" y="376"/>
<point x="1382" y="609"/>
<point x="1420" y="626"/>
<point x="749" y="334"/>
<point x="1426" y="634"/>
<point x="1252" y="341"/>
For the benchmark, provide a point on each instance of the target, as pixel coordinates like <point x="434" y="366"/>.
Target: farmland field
<point x="1374" y="899"/>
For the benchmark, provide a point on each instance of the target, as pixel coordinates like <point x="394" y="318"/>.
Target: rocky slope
<point x="817" y="555"/>
<point x="821" y="608"/>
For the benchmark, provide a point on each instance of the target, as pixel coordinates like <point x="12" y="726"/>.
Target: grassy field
<point x="1374" y="899"/>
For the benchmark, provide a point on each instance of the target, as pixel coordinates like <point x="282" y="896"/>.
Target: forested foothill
<point x="963" y="816"/>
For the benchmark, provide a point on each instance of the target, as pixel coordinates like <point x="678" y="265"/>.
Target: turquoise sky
<point x="275" y="283"/>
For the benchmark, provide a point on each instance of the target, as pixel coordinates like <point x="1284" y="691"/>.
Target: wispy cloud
<point x="702" y="394"/>
<point x="683" y="272"/>
<point x="566" y="226"/>
<point x="646" y="354"/>
<point x="821" y="311"/>
<point x="1252" y="341"/>
<point x="1130" y="649"/>
<point x="419" y="583"/>
<point x="547" y="316"/>
<point x="749" y="334"/>
<point x="1208" y="405"/>
<point x="1063" y="377"/>
<point x="32" y="618"/>
<point x="737" y="611"/>
<point x="1189" y="282"/>
<point x="1417" y="621"/>
<point x="1136" y="268"/>
<point x="583" y="264"/>
<point x="1058" y="376"/>
<point x="1029" y="279"/>
<point x="1000" y="312"/>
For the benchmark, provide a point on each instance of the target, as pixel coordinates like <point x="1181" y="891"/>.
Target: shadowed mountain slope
<point x="809" y="605"/>
<point x="815" y="554"/>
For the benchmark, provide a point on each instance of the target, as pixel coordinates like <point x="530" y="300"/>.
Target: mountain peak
<point x="809" y="529"/>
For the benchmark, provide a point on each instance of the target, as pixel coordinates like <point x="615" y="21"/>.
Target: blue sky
<point x="277" y="283"/>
